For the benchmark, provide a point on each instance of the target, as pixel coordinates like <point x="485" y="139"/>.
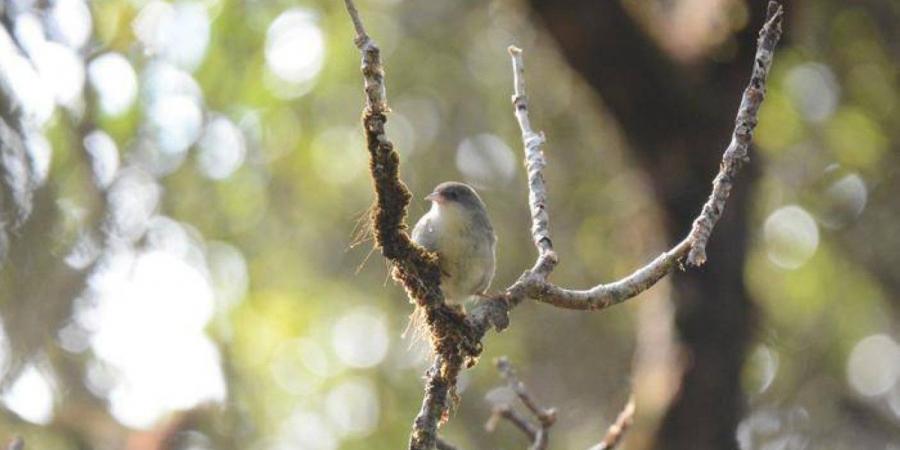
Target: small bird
<point x="458" y="229"/>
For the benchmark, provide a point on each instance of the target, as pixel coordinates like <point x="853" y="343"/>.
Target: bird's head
<point x="456" y="195"/>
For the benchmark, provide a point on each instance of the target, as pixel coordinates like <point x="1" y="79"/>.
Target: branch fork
<point x="546" y="417"/>
<point x="456" y="338"/>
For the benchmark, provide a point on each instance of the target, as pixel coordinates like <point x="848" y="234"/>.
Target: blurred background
<point x="181" y="182"/>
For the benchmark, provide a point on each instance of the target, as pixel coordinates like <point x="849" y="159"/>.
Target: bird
<point x="458" y="229"/>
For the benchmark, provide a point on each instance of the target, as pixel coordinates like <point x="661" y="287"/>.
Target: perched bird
<point x="457" y="228"/>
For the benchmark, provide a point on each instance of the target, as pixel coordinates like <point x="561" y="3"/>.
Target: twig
<point x="546" y="416"/>
<point x="618" y="429"/>
<point x="376" y="94"/>
<point x="736" y="154"/>
<point x="537" y="434"/>
<point x="534" y="165"/>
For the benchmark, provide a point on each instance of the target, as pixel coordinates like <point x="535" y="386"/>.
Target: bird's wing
<point x="489" y="266"/>
<point x="424" y="235"/>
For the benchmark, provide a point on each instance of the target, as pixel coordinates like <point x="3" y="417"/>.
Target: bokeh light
<point x="335" y="155"/>
<point x="177" y="32"/>
<point x="486" y="161"/>
<point x="295" y="47"/>
<point x="147" y="320"/>
<point x="353" y="407"/>
<point x="874" y="365"/>
<point x="845" y="200"/>
<point x="221" y="148"/>
<point x="40" y="154"/>
<point x="300" y="366"/>
<point x="62" y="71"/>
<point x="791" y="236"/>
<point x="228" y="273"/>
<point x="31" y="396"/>
<point x="133" y="198"/>
<point x="306" y="430"/>
<point x="360" y="338"/>
<point x="115" y="82"/>
<point x="814" y="90"/>
<point x="34" y="98"/>
<point x="71" y="20"/>
<point x="175" y="122"/>
<point x="104" y="157"/>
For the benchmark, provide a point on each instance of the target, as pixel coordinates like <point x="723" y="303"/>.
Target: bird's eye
<point x="452" y="195"/>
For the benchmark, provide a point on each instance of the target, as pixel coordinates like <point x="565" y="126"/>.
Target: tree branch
<point x="736" y="153"/>
<point x="415" y="268"/>
<point x="533" y="283"/>
<point x="456" y="337"/>
<point x="537" y="433"/>
<point x="617" y="430"/>
<point x="534" y="166"/>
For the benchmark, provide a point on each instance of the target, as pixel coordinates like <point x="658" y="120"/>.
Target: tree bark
<point x="677" y="118"/>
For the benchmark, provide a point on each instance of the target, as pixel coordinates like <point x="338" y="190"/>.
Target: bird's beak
<point x="434" y="197"/>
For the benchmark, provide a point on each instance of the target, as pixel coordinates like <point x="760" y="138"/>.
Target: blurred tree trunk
<point x="678" y="117"/>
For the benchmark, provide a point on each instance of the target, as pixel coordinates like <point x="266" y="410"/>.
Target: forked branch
<point x="546" y="417"/>
<point x="456" y="337"/>
<point x="538" y="433"/>
<point x="534" y="283"/>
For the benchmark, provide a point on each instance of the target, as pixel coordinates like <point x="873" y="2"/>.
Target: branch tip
<point x="774" y="12"/>
<point x="361" y="36"/>
<point x="617" y="430"/>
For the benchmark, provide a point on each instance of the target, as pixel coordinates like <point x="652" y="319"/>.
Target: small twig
<point x="534" y="165"/>
<point x="618" y="429"/>
<point x="376" y="94"/>
<point x="357" y="23"/>
<point x="736" y="154"/>
<point x="546" y="416"/>
<point x="537" y="434"/>
<point x="506" y="412"/>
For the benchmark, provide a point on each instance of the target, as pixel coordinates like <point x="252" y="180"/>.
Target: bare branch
<point x="618" y="429"/>
<point x="736" y="154"/>
<point x="537" y="434"/>
<point x="534" y="164"/>
<point x="376" y="94"/>
<point x="546" y="416"/>
<point x="456" y="337"/>
<point x="415" y="268"/>
<point x="533" y="283"/>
